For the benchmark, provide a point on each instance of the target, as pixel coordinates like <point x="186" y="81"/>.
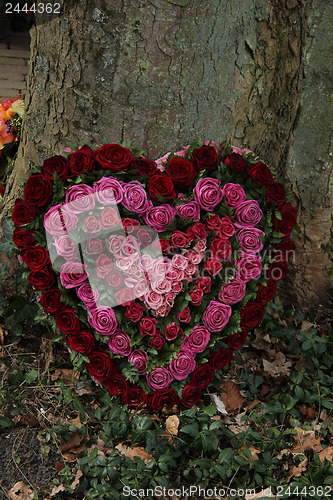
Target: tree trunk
<point x="164" y="72"/>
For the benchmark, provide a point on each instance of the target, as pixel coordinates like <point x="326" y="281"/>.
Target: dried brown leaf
<point x="66" y="374"/>
<point x="57" y="489"/>
<point x="172" y="424"/>
<point x="296" y="471"/>
<point x="76" y="481"/>
<point x="20" y="491"/>
<point x="279" y="366"/>
<point x="262" y="340"/>
<point x="73" y="442"/>
<point x="231" y="396"/>
<point x="254" y="452"/>
<point x="306" y="440"/>
<point x="139" y="451"/>
<point x="326" y="453"/>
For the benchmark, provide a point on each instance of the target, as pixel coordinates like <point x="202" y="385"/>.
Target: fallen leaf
<point x="254" y="452"/>
<point x="71" y="443"/>
<point x="262" y="340"/>
<point x="253" y="404"/>
<point x="219" y="404"/>
<point x="296" y="471"/>
<point x="326" y="453"/>
<point x="66" y="374"/>
<point x="172" y="424"/>
<point x="20" y="492"/>
<point x="76" y="481"/>
<point x="231" y="396"/>
<point x="57" y="489"/>
<point x="279" y="366"/>
<point x="267" y="493"/>
<point x="139" y="451"/>
<point x="235" y="423"/>
<point x="306" y="326"/>
<point x="306" y="440"/>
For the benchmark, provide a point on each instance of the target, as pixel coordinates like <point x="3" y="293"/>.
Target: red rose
<point x="191" y="395"/>
<point x="227" y="227"/>
<point x="275" y="192"/>
<point x="213" y="266"/>
<point x="277" y="271"/>
<point x="113" y="157"/>
<point x="165" y="246"/>
<point x="23" y="238"/>
<point x="179" y="240"/>
<point x="147" y="326"/>
<point x="214" y="222"/>
<point x="185" y="315"/>
<point x="284" y="250"/>
<point x="129" y="224"/>
<point x="202" y="376"/>
<point x="66" y="320"/>
<point x="134" y="397"/>
<point x="205" y="157"/>
<point x="83" y="341"/>
<point x="157" y="342"/>
<point x="82" y="160"/>
<point x="237" y="340"/>
<point x="50" y="300"/>
<point x="100" y="365"/>
<point x="168" y="397"/>
<point x="161" y="186"/>
<point x="42" y="279"/>
<point x="252" y="314"/>
<point x="260" y="173"/>
<point x="197" y="231"/>
<point x="36" y="257"/>
<point x="2" y="188"/>
<point x="38" y="190"/>
<point x="204" y="283"/>
<point x="134" y="311"/>
<point x="196" y="296"/>
<point x="145" y="235"/>
<point x="220" y="358"/>
<point x="220" y="249"/>
<point x="235" y="162"/>
<point x="181" y="172"/>
<point x="173" y="331"/>
<point x="286" y="224"/>
<point x="117" y="385"/>
<point x="23" y="213"/>
<point x="143" y="166"/>
<point x="57" y="164"/>
<point x="266" y="293"/>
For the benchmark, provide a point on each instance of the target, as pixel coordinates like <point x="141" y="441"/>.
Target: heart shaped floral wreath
<point x="154" y="271"/>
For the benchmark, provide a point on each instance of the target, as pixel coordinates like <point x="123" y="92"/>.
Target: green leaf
<point x="6" y="422"/>
<point x="31" y="376"/>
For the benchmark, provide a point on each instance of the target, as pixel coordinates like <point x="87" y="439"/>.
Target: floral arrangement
<point x="153" y="272"/>
<point x="11" y="114"/>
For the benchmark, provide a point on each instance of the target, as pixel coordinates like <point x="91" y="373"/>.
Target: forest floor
<point x="52" y="419"/>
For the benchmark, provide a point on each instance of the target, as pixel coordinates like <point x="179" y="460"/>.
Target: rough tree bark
<point x="163" y="72"/>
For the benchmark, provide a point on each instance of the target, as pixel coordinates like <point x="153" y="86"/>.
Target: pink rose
<point x="92" y="224"/>
<point x="234" y="194"/>
<point x="114" y="278"/>
<point x="249" y="240"/>
<point x="108" y="191"/>
<point x="249" y="267"/>
<point x="115" y="241"/>
<point x="179" y="262"/>
<point x="233" y="292"/>
<point x="160" y="285"/>
<point x="65" y="247"/>
<point x="58" y="221"/>
<point x="80" y="198"/>
<point x="189" y="210"/>
<point x="103" y="265"/>
<point x="160" y="216"/>
<point x="216" y="316"/>
<point x="87" y="295"/>
<point x="153" y="300"/>
<point x="135" y="197"/>
<point x="119" y="343"/>
<point x="110" y="218"/>
<point x="124" y="296"/>
<point x="72" y="274"/>
<point x="208" y="193"/>
<point x="159" y="378"/>
<point x="197" y="340"/>
<point x="139" y="358"/>
<point x="182" y="365"/>
<point x="103" y="320"/>
<point x="94" y="246"/>
<point x="248" y="213"/>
